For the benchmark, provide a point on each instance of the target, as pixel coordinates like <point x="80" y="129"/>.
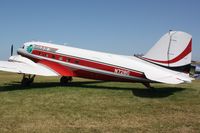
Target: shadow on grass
<point x="156" y="92"/>
<point x="146" y="93"/>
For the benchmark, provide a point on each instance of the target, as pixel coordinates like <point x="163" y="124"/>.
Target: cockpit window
<point x="29" y="48"/>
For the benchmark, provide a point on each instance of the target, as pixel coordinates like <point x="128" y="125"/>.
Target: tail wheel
<point x="146" y="84"/>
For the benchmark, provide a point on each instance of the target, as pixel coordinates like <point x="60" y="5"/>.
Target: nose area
<point x="25" y="48"/>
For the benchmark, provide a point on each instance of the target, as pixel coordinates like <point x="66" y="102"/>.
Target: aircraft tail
<point x="173" y="51"/>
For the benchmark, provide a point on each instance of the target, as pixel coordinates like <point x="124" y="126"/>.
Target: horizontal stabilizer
<point x="168" y="77"/>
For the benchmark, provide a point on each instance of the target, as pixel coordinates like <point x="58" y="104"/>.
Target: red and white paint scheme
<point x="166" y="62"/>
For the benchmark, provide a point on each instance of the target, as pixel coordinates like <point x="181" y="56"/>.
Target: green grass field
<point x="94" y="106"/>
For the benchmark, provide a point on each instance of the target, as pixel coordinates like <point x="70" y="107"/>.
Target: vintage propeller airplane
<point x="168" y="61"/>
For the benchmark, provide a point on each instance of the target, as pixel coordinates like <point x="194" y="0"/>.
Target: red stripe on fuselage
<point x="187" y="50"/>
<point x="86" y="63"/>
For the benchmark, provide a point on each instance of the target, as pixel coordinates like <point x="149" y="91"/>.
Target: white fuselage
<point x="91" y="64"/>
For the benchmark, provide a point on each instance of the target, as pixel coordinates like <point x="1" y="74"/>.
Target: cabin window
<point x="68" y="59"/>
<point x="76" y="62"/>
<point x="60" y="58"/>
<point x="53" y="56"/>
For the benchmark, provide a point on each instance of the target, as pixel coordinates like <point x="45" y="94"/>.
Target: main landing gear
<point x="64" y="80"/>
<point x="27" y="80"/>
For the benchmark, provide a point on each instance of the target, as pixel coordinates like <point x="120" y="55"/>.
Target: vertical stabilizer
<point x="173" y="50"/>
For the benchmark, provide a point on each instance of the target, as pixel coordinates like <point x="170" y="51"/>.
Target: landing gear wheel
<point x="27" y="80"/>
<point x="64" y="80"/>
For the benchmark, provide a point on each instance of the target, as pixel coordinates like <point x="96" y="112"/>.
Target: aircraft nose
<point x="19" y="51"/>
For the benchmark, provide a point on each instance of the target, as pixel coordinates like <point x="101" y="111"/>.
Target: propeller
<point x="11" y="50"/>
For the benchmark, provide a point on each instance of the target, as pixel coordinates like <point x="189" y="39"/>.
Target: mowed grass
<point x="95" y="106"/>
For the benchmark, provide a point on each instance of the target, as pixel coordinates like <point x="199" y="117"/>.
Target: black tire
<point x="26" y="82"/>
<point x="65" y="80"/>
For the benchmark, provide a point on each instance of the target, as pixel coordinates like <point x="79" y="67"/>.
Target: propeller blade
<point x="11" y="52"/>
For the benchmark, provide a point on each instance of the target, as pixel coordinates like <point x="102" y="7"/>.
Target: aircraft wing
<point x="22" y="65"/>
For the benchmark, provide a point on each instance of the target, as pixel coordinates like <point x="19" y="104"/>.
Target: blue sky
<point x="116" y="26"/>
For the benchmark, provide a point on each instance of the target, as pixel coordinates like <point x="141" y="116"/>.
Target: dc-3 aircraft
<point x="168" y="61"/>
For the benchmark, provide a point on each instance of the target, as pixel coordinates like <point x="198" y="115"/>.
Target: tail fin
<point x="173" y="50"/>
